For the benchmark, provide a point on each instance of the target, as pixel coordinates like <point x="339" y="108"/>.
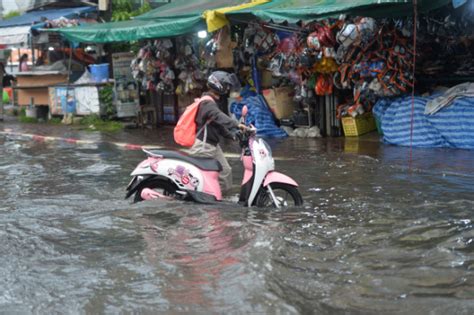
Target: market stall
<point x="314" y="64"/>
<point x="81" y="97"/>
<point x="48" y="62"/>
<point x="169" y="81"/>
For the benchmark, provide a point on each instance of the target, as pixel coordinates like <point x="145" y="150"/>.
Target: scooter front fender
<point x="276" y="177"/>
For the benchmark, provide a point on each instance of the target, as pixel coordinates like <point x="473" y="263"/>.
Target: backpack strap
<point x="204" y="128"/>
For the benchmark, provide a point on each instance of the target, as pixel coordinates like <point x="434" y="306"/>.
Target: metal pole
<point x="2" y="73"/>
<point x="69" y="65"/>
<point x="32" y="52"/>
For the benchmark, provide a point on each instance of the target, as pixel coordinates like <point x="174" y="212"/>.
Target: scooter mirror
<point x="245" y="111"/>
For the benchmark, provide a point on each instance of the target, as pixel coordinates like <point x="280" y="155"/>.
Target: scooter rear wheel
<point x="287" y="195"/>
<point x="163" y="187"/>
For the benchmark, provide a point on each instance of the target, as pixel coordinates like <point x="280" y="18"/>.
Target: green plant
<point x="106" y="99"/>
<point x="55" y="121"/>
<point x="95" y="123"/>
<point x="118" y="16"/>
<point x="142" y="10"/>
<point x="123" y="10"/>
<point x="28" y="120"/>
<point x="11" y="14"/>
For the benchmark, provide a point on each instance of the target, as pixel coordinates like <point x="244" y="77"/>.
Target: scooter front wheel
<point x="287" y="196"/>
<point x="160" y="186"/>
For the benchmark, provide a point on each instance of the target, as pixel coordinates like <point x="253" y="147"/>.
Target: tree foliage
<point x="122" y="10"/>
<point x="11" y="14"/>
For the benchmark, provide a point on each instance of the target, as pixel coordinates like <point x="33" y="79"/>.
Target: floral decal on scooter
<point x="182" y="175"/>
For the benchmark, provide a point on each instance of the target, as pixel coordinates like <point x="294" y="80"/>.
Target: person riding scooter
<point x="216" y="124"/>
<point x="169" y="174"/>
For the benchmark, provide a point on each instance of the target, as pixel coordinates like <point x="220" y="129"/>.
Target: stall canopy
<point x="15" y="31"/>
<point x="132" y="30"/>
<point x="173" y="19"/>
<point x="213" y="11"/>
<point x="297" y="10"/>
<point x="14" y="36"/>
<point x="186" y="8"/>
<point x="184" y="16"/>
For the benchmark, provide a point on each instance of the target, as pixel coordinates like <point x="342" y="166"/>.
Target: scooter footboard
<point x="276" y="177"/>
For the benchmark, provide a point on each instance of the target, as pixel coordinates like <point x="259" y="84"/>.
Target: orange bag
<point x="185" y="130"/>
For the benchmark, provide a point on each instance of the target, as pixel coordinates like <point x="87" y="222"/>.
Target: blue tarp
<point x="451" y="127"/>
<point x="33" y="17"/>
<point x="258" y="115"/>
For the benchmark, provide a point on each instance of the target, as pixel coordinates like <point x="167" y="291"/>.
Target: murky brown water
<point x="377" y="235"/>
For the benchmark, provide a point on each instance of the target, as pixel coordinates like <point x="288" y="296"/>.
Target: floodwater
<point x="379" y="233"/>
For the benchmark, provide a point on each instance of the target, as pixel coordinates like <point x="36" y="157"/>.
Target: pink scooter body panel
<point x="211" y="184"/>
<point x="275" y="177"/>
<point x="248" y="168"/>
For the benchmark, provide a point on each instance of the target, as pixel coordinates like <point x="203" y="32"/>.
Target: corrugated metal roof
<point x="33" y="17"/>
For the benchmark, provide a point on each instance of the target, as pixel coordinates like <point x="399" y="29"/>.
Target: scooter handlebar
<point x="245" y="134"/>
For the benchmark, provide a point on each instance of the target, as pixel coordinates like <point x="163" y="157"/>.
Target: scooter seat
<point x="206" y="164"/>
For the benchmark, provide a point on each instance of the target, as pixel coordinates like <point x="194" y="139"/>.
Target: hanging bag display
<point x="185" y="130"/>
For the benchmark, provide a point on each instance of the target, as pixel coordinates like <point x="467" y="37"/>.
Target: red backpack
<point x="185" y="130"/>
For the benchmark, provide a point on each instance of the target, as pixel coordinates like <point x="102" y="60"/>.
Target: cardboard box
<point x="280" y="100"/>
<point x="224" y="54"/>
<point x="266" y="80"/>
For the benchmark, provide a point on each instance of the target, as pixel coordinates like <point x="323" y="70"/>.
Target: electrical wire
<point x="415" y="29"/>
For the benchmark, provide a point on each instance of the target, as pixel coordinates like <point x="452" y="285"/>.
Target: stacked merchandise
<point x="190" y="72"/>
<point x="152" y="67"/>
<point x="165" y="68"/>
<point x="370" y="58"/>
<point x="170" y="68"/>
<point x="60" y="23"/>
<point x="446" y="45"/>
<point x="376" y="60"/>
<point x="367" y="58"/>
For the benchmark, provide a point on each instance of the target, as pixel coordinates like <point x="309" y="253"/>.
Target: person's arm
<point x="226" y="124"/>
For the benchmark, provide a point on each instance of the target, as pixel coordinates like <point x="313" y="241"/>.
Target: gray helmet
<point x="222" y="82"/>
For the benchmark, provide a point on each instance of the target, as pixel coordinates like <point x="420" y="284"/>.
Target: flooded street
<point x="378" y="234"/>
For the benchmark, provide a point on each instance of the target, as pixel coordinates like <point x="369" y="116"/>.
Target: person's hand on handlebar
<point x="243" y="127"/>
<point x="242" y="131"/>
<point x="247" y="129"/>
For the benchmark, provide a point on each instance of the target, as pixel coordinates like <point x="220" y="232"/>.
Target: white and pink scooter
<point x="175" y="175"/>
